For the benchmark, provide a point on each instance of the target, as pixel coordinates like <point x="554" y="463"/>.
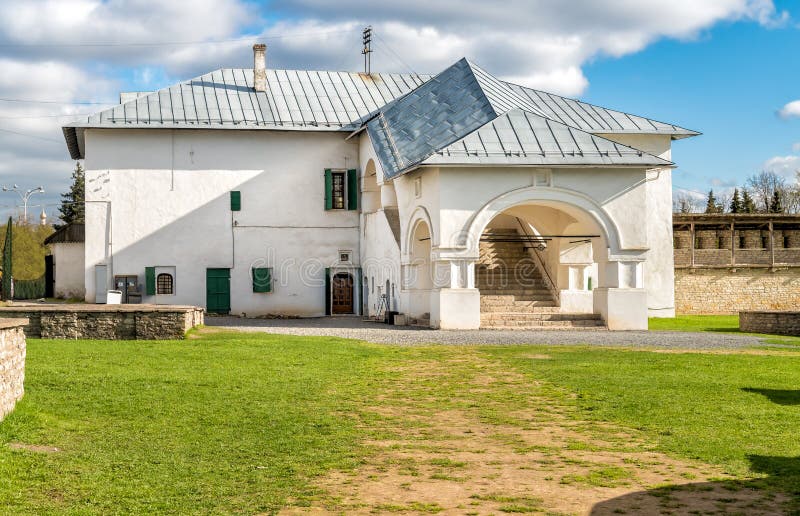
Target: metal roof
<point x="596" y="119"/>
<point x="226" y="99"/>
<point x="521" y="137"/>
<point x="344" y="101"/>
<point x="466" y="116"/>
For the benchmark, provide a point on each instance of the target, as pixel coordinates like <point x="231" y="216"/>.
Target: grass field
<point x="229" y="422"/>
<point x="713" y="323"/>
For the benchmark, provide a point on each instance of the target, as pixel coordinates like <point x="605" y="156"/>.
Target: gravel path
<point x="355" y="328"/>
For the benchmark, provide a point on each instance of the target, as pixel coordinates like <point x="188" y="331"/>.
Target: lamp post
<point x="24" y="196"/>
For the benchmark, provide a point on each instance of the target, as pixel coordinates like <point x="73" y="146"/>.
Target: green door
<point x="218" y="290"/>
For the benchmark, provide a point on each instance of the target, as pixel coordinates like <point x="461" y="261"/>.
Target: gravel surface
<point x="355" y="328"/>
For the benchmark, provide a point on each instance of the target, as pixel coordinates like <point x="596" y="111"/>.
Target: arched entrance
<point x="537" y="266"/>
<point x="418" y="272"/>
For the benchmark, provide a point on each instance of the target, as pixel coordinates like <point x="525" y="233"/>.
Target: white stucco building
<point x="67" y="270"/>
<point x="459" y="199"/>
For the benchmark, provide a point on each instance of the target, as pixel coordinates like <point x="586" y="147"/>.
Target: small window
<point x="165" y="284"/>
<point x="418" y="187"/>
<point x="337" y="190"/>
<point x="341" y="189"/>
<point x="262" y="279"/>
<point x="344" y="256"/>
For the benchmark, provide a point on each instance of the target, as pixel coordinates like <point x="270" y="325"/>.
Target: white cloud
<point x="796" y="147"/>
<point x="48" y="47"/>
<point x="790" y="110"/>
<point x="787" y="166"/>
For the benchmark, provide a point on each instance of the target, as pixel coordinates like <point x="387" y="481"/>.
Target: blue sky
<point x="729" y="84"/>
<point x="722" y="67"/>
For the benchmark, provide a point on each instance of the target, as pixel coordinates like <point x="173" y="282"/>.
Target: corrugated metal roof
<point x="294" y="98"/>
<point x="521" y="137"/>
<point x="595" y="119"/>
<point x="466" y="116"/>
<point x="343" y="101"/>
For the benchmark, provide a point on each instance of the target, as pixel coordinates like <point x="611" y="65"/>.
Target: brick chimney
<point x="260" y="67"/>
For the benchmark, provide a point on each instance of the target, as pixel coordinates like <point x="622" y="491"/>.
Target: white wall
<point x="161" y="198"/>
<point x="659" y="269"/>
<point x="69" y="270"/>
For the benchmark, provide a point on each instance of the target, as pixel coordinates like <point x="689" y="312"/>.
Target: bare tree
<point x="791" y="199"/>
<point x="685" y="203"/>
<point x="763" y="186"/>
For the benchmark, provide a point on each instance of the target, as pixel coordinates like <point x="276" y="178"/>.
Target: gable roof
<point x="341" y="101"/>
<point x="226" y="99"/>
<point x="596" y="119"/>
<point x="466" y="116"/>
<point x="71" y="233"/>
<point x="521" y="137"/>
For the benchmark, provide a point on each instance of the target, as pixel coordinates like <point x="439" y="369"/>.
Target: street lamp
<point x="24" y="196"/>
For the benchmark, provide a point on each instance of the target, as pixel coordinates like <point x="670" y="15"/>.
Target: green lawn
<point x="232" y="422"/>
<point x="713" y="323"/>
<point x="226" y="423"/>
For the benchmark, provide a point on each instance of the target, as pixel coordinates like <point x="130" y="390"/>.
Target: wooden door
<point x="218" y="290"/>
<point x="342" y="293"/>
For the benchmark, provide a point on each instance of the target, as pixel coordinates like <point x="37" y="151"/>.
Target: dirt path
<point x="461" y="436"/>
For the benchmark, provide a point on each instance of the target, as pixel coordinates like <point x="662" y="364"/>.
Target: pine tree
<point x="776" y="204"/>
<point x="736" y="202"/>
<point x="72" y="207"/>
<point x="748" y="206"/>
<point x="711" y="203"/>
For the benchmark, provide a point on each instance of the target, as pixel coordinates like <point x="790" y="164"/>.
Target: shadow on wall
<point x="777" y="493"/>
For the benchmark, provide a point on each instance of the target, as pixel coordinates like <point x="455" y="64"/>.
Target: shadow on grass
<point x="777" y="493"/>
<point x="779" y="396"/>
<point x="723" y="330"/>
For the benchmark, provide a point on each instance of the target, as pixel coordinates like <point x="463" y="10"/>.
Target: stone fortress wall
<point x="12" y="363"/>
<point x="726" y="263"/>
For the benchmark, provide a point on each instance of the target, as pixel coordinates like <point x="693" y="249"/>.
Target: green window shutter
<point x="352" y="189"/>
<point x="262" y="279"/>
<point x="236" y="201"/>
<point x="327" y="291"/>
<point x="150" y="281"/>
<point x="328" y="189"/>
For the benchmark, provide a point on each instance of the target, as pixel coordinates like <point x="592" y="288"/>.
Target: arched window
<point x="164" y="284"/>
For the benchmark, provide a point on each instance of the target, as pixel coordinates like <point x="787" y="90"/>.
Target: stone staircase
<point x="513" y="292"/>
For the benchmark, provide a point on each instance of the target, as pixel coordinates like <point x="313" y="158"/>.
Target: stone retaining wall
<point x="770" y="321"/>
<point x="107" y="322"/>
<point x="725" y="291"/>
<point x="12" y="363"/>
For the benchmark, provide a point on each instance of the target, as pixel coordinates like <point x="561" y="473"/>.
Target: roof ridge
<point x="499" y="94"/>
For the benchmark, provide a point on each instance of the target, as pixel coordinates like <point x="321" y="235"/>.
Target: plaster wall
<point x="69" y="269"/>
<point x="162" y="198"/>
<point x="658" y="270"/>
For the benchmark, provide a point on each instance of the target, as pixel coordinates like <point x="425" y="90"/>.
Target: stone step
<point x="544" y="327"/>
<point x="515" y="305"/>
<point x="534" y="316"/>
<point x="519" y="292"/>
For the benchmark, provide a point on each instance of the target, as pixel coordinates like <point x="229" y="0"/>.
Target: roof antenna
<point x="367" y="40"/>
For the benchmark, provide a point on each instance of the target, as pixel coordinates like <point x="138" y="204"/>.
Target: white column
<point x="621" y="298"/>
<point x="455" y="302"/>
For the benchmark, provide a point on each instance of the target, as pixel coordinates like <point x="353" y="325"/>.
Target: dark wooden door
<point x="342" y="293"/>
<point x="49" y="276"/>
<point x="218" y="290"/>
